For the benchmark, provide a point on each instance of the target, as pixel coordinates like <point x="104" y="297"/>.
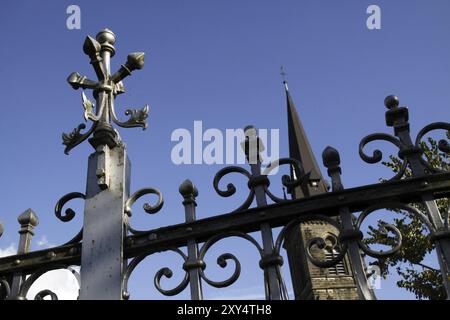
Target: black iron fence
<point x="416" y="182"/>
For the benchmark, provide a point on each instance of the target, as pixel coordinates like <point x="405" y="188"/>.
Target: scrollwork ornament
<point x="223" y="258"/>
<point x="69" y="213"/>
<point x="286" y="180"/>
<point x="222" y="262"/>
<point x="46" y="293"/>
<point x="385" y="228"/>
<point x="377" y="155"/>
<point x="137" y="117"/>
<point x="442" y="145"/>
<point x="167" y="272"/>
<point x="128" y="271"/>
<point x="163" y="272"/>
<point x="147" y="207"/>
<point x="410" y="154"/>
<point x="231" y="189"/>
<point x="71" y="140"/>
<point x="36" y="275"/>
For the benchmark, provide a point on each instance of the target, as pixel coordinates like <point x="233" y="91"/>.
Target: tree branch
<point x="426" y="267"/>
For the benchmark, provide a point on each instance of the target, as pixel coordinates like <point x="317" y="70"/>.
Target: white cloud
<point x="8" y="251"/>
<point x="62" y="282"/>
<point x="44" y="243"/>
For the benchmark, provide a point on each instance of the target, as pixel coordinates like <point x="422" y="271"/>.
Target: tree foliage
<point x="424" y="281"/>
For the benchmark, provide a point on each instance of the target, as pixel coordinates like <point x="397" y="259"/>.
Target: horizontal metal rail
<point x="156" y="240"/>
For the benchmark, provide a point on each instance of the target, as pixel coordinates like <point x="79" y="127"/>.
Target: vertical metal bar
<point x="267" y="238"/>
<point x="192" y="265"/>
<point x="107" y="40"/>
<point x="107" y="191"/>
<point x="27" y="220"/>
<point x="443" y="244"/>
<point x="397" y="117"/>
<point x="103" y="227"/>
<point x="253" y="145"/>
<point x="331" y="161"/>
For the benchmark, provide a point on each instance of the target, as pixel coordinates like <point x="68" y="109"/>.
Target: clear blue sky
<point x="215" y="61"/>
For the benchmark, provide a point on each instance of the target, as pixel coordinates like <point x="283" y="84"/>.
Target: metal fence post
<point x="192" y="265"/>
<point x="27" y="220"/>
<point x="270" y="263"/>
<point x="103" y="227"/>
<point x="349" y="235"/>
<point x="397" y="117"/>
<point x="108" y="185"/>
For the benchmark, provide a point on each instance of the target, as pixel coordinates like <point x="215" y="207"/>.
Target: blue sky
<point x="215" y="61"/>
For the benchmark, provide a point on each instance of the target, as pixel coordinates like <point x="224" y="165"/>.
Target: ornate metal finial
<point x="252" y="145"/>
<point x="102" y="112"/>
<point x="396" y="116"/>
<point x="391" y="102"/>
<point x="28" y="220"/>
<point x="331" y="158"/>
<point x="332" y="161"/>
<point x="188" y="189"/>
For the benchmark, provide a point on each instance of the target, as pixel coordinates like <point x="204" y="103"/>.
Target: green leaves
<point x="417" y="277"/>
<point x="425" y="284"/>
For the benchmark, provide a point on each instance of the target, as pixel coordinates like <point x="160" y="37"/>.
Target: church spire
<point x="300" y="149"/>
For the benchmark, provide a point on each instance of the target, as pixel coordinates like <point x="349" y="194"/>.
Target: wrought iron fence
<point x="108" y="249"/>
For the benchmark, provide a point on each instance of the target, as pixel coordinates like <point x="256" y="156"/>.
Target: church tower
<point x="310" y="281"/>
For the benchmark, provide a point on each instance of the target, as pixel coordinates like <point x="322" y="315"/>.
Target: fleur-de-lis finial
<point x="100" y="50"/>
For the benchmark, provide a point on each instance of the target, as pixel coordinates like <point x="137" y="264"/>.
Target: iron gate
<point x="108" y="249"/>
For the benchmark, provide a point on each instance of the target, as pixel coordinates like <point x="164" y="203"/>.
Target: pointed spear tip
<point x="91" y="46"/>
<point x="135" y="60"/>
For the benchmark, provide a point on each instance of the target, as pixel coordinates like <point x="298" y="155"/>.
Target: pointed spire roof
<point x="300" y="149"/>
